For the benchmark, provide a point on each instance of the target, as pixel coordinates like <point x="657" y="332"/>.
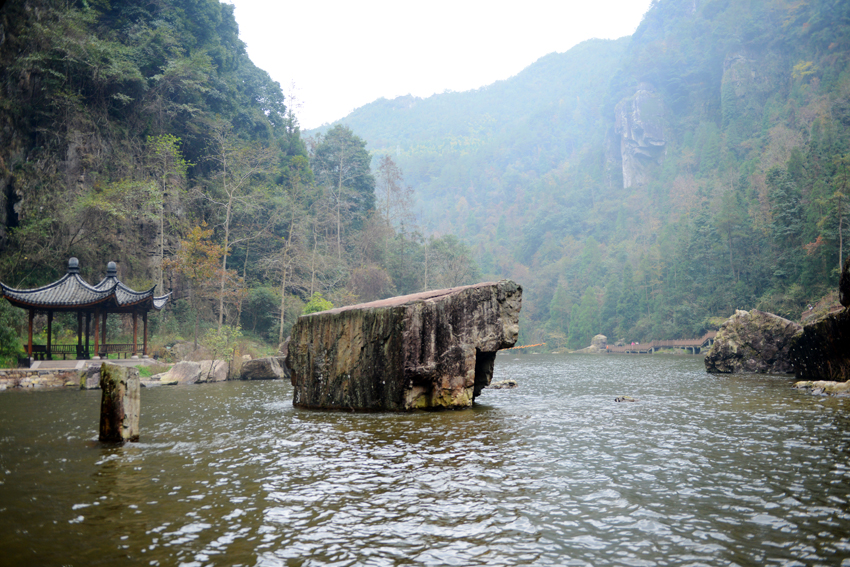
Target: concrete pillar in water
<point x="119" y="403"/>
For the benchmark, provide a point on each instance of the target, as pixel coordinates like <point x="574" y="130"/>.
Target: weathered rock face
<point x="90" y="378"/>
<point x="753" y="342"/>
<point x="262" y="369"/>
<point x="844" y="284"/>
<point x="428" y="350"/>
<point x="282" y="351"/>
<point x="822" y="350"/>
<point x="120" y="403"/>
<point x="639" y="126"/>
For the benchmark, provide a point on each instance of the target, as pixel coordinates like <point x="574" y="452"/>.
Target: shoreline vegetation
<point x="634" y="189"/>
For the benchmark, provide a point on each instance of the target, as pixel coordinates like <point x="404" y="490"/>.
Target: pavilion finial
<point x="111" y="270"/>
<point x="73" y="266"/>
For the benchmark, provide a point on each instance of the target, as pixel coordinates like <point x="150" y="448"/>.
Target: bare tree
<point x="238" y="165"/>
<point x="168" y="168"/>
<point x="341" y="162"/>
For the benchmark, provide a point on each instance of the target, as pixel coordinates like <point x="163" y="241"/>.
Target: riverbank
<point x="48" y="374"/>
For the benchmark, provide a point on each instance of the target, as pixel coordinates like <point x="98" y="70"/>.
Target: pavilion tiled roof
<point x="126" y="296"/>
<point x="72" y="292"/>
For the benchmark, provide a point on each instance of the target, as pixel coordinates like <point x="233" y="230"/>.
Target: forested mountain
<point x="642" y="187"/>
<point x="141" y="132"/>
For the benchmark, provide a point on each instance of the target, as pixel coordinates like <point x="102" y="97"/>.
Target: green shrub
<point x="317" y="303"/>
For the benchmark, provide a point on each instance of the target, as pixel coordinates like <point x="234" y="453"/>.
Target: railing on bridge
<point x="652" y="346"/>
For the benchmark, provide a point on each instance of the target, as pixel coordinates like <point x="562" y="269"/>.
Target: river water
<point x="701" y="470"/>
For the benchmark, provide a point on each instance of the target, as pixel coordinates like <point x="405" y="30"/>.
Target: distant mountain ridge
<point x="639" y="186"/>
<point x="386" y="123"/>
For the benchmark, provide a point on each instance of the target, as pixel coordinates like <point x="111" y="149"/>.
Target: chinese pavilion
<point x="72" y="293"/>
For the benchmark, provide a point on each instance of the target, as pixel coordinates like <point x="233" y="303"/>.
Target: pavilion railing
<point x="39" y="352"/>
<point x="118" y="348"/>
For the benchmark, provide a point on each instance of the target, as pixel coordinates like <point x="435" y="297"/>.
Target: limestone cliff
<point x="639" y="127"/>
<point x="434" y="349"/>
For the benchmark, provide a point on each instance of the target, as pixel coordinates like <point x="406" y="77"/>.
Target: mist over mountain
<point x="644" y="186"/>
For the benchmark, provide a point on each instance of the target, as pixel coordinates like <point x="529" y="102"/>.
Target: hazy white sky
<point x="344" y="54"/>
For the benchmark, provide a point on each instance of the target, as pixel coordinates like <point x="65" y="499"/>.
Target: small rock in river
<point x="503" y="384"/>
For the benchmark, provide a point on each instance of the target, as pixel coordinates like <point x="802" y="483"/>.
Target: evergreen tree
<point x="585" y="320"/>
<point x="628" y="307"/>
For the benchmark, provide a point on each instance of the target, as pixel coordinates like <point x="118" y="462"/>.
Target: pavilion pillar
<point x="96" y="335"/>
<point x="135" y="335"/>
<point x="103" y="334"/>
<point x="88" y="325"/>
<point x="79" y="334"/>
<point x="49" y="334"/>
<point x="145" y="325"/>
<point x="29" y="343"/>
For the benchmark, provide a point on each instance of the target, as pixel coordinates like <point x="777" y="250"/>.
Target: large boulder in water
<point x="753" y="341"/>
<point x="822" y="350"/>
<point x="434" y="349"/>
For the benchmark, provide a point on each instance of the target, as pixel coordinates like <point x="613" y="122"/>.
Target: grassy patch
<point x="148" y="371"/>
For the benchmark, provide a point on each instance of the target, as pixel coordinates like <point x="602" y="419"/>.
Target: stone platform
<point x="57" y="373"/>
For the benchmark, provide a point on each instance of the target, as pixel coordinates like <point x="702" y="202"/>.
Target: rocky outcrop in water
<point x="753" y="341"/>
<point x="640" y="129"/>
<point x="824" y="387"/>
<point x="428" y="350"/>
<point x="822" y="350"/>
<point x="119" y="404"/>
<point x="503" y="385"/>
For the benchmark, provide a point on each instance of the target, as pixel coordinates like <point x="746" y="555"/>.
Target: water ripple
<point x="702" y="470"/>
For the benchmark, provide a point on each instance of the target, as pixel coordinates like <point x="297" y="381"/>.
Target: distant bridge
<point x="648" y="348"/>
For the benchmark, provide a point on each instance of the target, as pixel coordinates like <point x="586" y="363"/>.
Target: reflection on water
<point x="702" y="470"/>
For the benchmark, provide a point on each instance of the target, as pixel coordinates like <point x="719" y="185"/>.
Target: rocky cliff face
<point x="753" y="341"/>
<point x="749" y="79"/>
<point x="429" y="350"/>
<point x="822" y="350"/>
<point x="639" y="126"/>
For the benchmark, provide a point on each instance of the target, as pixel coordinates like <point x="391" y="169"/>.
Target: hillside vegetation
<point x="644" y="187"/>
<point x="142" y="133"/>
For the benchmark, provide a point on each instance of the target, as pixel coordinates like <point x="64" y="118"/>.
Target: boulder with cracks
<point x="428" y="350"/>
<point x="753" y="341"/>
